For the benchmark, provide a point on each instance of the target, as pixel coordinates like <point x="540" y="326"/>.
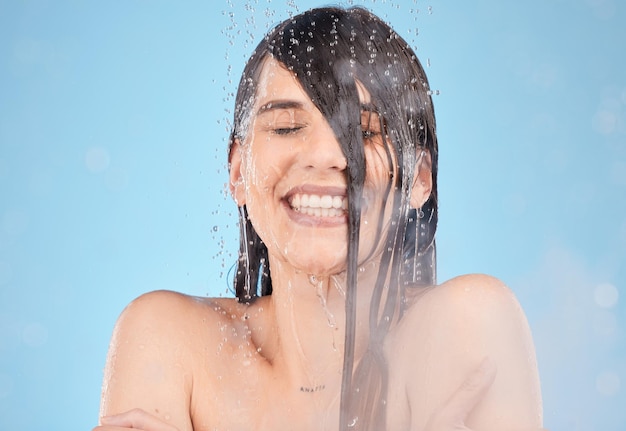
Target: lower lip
<point x="309" y="220"/>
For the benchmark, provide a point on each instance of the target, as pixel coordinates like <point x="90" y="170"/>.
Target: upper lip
<point x="293" y="198"/>
<point x="316" y="190"/>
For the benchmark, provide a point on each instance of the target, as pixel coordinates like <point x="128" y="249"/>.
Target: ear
<point x="423" y="180"/>
<point x="235" y="168"/>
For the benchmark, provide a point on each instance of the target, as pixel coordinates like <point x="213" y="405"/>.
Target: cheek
<point x="378" y="168"/>
<point x="378" y="181"/>
<point x="261" y="174"/>
<point x="255" y="176"/>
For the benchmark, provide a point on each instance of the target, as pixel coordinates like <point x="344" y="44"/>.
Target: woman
<point x="333" y="163"/>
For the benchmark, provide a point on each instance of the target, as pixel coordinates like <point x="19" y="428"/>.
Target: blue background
<point x="113" y="125"/>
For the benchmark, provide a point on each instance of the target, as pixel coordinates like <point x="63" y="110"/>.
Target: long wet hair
<point x="329" y="50"/>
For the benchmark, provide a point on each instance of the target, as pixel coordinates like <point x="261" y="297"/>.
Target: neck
<point x="308" y="313"/>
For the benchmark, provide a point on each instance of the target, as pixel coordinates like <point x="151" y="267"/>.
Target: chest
<point x="257" y="396"/>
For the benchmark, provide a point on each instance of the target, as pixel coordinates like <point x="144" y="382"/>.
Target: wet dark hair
<point x="329" y="50"/>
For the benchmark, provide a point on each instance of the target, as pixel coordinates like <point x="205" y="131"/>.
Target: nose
<point x="322" y="150"/>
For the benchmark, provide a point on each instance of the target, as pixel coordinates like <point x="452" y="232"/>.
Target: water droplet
<point x="606" y="295"/>
<point x="608" y="383"/>
<point x="97" y="159"/>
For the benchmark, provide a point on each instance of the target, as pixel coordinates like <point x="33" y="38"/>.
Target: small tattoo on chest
<point x="312" y="388"/>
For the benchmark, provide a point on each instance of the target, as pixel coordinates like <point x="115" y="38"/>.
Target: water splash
<point x="319" y="286"/>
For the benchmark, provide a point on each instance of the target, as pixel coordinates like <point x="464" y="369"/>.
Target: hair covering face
<point x="331" y="51"/>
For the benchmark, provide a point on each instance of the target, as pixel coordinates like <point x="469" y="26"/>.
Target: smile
<point x="319" y="205"/>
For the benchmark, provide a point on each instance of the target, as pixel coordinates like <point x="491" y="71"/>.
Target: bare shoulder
<point x="169" y="316"/>
<point x="168" y="304"/>
<point x="478" y="309"/>
<point x="466" y="293"/>
<point x="475" y="304"/>
<point x="177" y="327"/>
<point x="153" y="354"/>
<point x="156" y="305"/>
<point x="450" y="329"/>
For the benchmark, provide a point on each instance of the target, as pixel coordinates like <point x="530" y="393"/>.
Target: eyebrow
<point x="279" y="104"/>
<point x="293" y="104"/>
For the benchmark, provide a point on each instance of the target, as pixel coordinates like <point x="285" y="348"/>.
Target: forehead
<point x="278" y="83"/>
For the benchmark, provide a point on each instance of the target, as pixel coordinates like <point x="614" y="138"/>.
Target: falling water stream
<point x="247" y="30"/>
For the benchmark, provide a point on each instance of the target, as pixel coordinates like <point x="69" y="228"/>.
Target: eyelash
<point x="369" y="134"/>
<point x="283" y="131"/>
<point x="370" y="128"/>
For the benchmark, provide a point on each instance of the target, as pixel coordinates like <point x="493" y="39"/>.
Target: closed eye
<point x="369" y="134"/>
<point x="371" y="127"/>
<point x="282" y="131"/>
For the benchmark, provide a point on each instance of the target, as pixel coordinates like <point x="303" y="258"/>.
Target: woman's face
<point x="290" y="173"/>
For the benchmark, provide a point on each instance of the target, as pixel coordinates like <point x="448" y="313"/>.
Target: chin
<point x="316" y="265"/>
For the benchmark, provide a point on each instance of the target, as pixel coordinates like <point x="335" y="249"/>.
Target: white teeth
<point x="314" y="201"/>
<point x="319" y="205"/>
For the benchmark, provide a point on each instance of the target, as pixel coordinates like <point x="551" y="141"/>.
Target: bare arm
<point x="148" y="366"/>
<point x="448" y="333"/>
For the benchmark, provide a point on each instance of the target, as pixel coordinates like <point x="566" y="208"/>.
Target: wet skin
<point x="291" y="151"/>
<point x="215" y="364"/>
